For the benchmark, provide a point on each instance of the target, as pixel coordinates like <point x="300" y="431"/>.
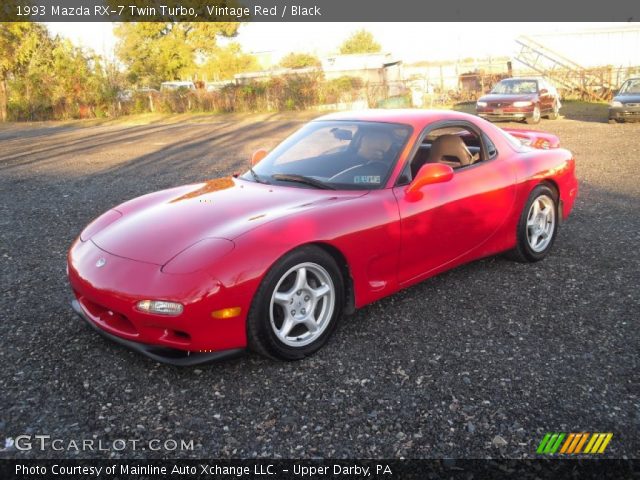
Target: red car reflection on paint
<point x="349" y="209"/>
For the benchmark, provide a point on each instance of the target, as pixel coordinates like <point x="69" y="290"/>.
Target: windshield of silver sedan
<point x="334" y="155"/>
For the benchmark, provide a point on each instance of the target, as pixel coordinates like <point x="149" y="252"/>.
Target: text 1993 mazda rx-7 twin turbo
<point x="349" y="209"/>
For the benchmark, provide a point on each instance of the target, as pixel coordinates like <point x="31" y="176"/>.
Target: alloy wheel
<point x="541" y="221"/>
<point x="302" y="304"/>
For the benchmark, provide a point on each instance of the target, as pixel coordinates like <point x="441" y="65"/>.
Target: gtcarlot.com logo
<point x="574" y="443"/>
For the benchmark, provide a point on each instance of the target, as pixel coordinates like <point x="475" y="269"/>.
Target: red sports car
<point x="349" y="209"/>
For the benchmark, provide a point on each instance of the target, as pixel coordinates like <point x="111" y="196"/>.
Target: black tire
<point x="523" y="252"/>
<point x="261" y="336"/>
<point x="555" y="112"/>
<point x="535" y="117"/>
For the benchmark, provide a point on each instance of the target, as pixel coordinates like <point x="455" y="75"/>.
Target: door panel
<point x="454" y="218"/>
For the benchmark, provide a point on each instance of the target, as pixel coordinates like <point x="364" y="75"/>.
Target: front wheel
<point x="537" y="227"/>
<point x="297" y="305"/>
<point x="535" y="116"/>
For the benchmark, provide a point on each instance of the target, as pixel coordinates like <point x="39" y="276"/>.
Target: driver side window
<point x="456" y="146"/>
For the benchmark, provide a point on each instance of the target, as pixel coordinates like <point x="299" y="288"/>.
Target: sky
<point x="409" y="42"/>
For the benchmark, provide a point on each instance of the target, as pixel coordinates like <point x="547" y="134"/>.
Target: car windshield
<point x="334" y="154"/>
<point x="515" y="87"/>
<point x="630" y="87"/>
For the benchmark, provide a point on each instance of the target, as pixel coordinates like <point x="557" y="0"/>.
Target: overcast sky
<point x="407" y="41"/>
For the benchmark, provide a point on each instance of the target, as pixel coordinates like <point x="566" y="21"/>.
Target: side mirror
<point x="544" y="91"/>
<point x="257" y="156"/>
<point x="428" y="174"/>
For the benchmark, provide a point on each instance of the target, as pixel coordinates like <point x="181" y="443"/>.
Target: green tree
<point x="18" y="42"/>
<point x="161" y="51"/>
<point x="299" y="60"/>
<point x="226" y="61"/>
<point x="361" y="41"/>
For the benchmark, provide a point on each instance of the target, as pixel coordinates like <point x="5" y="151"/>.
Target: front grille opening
<point x="176" y="336"/>
<point x="182" y="335"/>
<point x="114" y="320"/>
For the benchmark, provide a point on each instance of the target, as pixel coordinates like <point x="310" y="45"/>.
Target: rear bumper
<point x="158" y="353"/>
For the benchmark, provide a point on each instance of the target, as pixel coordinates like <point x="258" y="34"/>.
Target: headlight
<point x="160" y="307"/>
<point x="481" y="104"/>
<point x="616" y="104"/>
<point x="522" y="104"/>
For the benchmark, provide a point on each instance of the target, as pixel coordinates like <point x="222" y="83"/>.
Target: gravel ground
<point x="479" y="362"/>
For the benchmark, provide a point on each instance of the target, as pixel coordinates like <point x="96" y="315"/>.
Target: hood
<point x="627" y="98"/>
<point x="497" y="97"/>
<point x="156" y="227"/>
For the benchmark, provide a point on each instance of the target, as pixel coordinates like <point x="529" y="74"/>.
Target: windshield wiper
<point x="256" y="177"/>
<point x="291" y="177"/>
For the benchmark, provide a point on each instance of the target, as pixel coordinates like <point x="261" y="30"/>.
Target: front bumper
<point x="106" y="296"/>
<point x="624" y="113"/>
<point x="512" y="113"/>
<point x="158" y="353"/>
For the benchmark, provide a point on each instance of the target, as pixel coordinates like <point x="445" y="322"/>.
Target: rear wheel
<point x="535" y="116"/>
<point x="297" y="305"/>
<point x="555" y="113"/>
<point x="537" y="227"/>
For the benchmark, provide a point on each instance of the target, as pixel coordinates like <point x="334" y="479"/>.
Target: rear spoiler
<point x="535" y="139"/>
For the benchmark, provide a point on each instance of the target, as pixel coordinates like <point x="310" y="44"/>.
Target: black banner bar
<point x="319" y="469"/>
<point x="315" y="10"/>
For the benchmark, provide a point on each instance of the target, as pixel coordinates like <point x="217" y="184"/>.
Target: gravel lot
<point x="478" y="362"/>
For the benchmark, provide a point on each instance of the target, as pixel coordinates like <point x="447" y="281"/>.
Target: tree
<point x="361" y="41"/>
<point x="299" y="60"/>
<point x="225" y="62"/>
<point x="161" y="51"/>
<point x="18" y="41"/>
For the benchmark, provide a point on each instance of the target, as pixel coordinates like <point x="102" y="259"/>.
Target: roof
<point x="415" y="117"/>
<point x="524" y="78"/>
<point x="178" y="82"/>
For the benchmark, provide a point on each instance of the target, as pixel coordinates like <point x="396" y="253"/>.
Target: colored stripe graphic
<point x="554" y="443"/>
<point x="605" y="442"/>
<point x="543" y="443"/>
<point x="574" y="442"/>
<point x="568" y="443"/>
<point x="582" y="442"/>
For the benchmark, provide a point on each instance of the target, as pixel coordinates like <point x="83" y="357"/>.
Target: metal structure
<point x="591" y="83"/>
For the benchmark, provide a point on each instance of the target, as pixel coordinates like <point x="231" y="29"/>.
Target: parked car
<point x="626" y="104"/>
<point x="147" y="91"/>
<point x="177" y="85"/>
<point x="217" y="86"/>
<point x="127" y="95"/>
<point x="527" y="99"/>
<point x="351" y="208"/>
